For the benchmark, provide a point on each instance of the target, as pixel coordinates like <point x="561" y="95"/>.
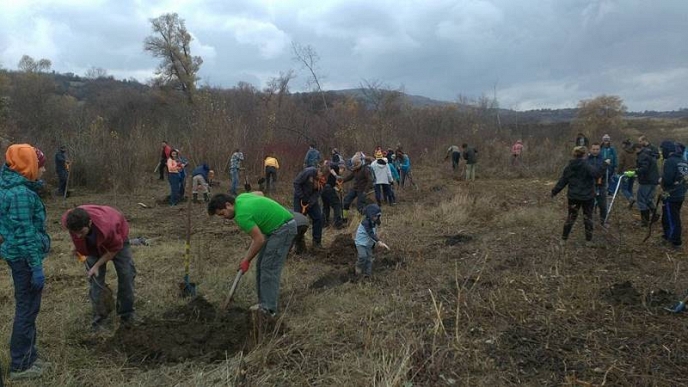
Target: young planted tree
<point x="171" y="43"/>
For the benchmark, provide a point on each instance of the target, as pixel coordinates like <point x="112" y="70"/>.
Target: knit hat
<point x="25" y="160"/>
<point x="606" y="138"/>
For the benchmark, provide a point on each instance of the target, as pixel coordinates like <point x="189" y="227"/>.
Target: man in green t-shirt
<point x="272" y="229"/>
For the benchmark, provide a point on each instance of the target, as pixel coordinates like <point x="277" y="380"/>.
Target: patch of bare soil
<point x="333" y="279"/>
<point x="453" y="240"/>
<point x="622" y="294"/>
<point x="660" y="298"/>
<point x="190" y="332"/>
<point x="342" y="251"/>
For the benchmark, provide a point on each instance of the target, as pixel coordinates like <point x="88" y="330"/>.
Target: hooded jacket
<point x="580" y="176"/>
<point x="306" y="188"/>
<point x="360" y="176"/>
<point x="627" y="160"/>
<point x="646" y="167"/>
<point x="112" y="230"/>
<point x="383" y="175"/>
<point x="609" y="152"/>
<point x="202" y="170"/>
<point x="673" y="173"/>
<point x="366" y="234"/>
<point x="312" y="158"/>
<point x="598" y="163"/>
<point x="22" y="213"/>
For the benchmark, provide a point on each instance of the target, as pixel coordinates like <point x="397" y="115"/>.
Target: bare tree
<point x="308" y="57"/>
<point x="603" y="113"/>
<point x="171" y="43"/>
<point x="279" y="85"/>
<point x="96" y="73"/>
<point x="28" y="65"/>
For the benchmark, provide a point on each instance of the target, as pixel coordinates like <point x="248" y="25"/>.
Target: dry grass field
<point x="476" y="291"/>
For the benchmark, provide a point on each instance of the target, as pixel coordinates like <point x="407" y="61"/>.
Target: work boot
<point x="206" y="197"/>
<point x="644" y="218"/>
<point x="195" y="198"/>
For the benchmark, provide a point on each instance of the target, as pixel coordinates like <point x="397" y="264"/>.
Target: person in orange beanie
<point x="24" y="245"/>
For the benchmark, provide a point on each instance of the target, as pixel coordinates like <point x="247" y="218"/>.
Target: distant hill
<point x="536" y="115"/>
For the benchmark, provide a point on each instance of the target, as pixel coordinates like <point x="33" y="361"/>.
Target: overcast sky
<point x="538" y="53"/>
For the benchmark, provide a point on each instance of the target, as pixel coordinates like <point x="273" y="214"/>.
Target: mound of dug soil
<point x="333" y="279"/>
<point x="187" y="333"/>
<point x="342" y="251"/>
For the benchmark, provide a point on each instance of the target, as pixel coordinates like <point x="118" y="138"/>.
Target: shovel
<point x="105" y="304"/>
<point x="187" y="288"/>
<point x="233" y="289"/>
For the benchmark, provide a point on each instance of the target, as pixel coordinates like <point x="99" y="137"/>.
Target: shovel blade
<point x="187" y="289"/>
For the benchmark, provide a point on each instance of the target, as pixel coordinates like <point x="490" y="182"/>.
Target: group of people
<point x="172" y="162"/>
<point x="597" y="172"/>
<point x="99" y="235"/>
<point x="470" y="155"/>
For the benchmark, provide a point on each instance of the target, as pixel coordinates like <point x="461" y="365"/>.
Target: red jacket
<point x="111" y="226"/>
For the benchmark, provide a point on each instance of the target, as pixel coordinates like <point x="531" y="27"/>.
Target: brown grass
<point x="502" y="304"/>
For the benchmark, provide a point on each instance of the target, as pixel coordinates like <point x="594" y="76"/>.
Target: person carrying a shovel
<point x="101" y="234"/>
<point x="272" y="229"/>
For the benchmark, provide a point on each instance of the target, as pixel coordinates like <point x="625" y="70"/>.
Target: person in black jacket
<point x="674" y="171"/>
<point x="308" y="185"/>
<point x="580" y="176"/>
<point x="648" y="178"/>
<point x="471" y="157"/>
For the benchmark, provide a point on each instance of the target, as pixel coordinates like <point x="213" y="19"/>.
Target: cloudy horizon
<point x="533" y="54"/>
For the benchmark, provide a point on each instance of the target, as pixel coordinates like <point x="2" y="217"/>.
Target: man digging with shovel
<point x="101" y="234"/>
<point x="272" y="229"/>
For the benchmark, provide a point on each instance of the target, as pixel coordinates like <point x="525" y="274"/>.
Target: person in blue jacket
<point x="200" y="182"/>
<point x="608" y="152"/>
<point x="674" y="172"/>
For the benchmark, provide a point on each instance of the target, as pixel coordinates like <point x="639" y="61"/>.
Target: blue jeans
<point x="126" y="272"/>
<point x="270" y="263"/>
<point x="383" y="191"/>
<point x="175" y="182"/>
<point x="234" y="176"/>
<point x="611" y="184"/>
<point x="28" y="303"/>
<point x="365" y="259"/>
<point x="627" y="187"/>
<point x="315" y="213"/>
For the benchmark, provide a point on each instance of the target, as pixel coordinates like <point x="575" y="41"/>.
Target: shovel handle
<point x="232" y="290"/>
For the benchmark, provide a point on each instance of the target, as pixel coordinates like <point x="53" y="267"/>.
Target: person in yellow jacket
<point x="271" y="167"/>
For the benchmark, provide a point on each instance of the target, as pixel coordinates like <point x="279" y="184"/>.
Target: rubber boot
<point x="644" y="218"/>
<point x="206" y="197"/>
<point x="195" y="198"/>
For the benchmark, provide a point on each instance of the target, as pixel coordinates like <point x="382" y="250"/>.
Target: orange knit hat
<point x="23" y="158"/>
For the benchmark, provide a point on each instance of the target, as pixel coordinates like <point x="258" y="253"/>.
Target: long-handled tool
<point x="233" y="289"/>
<point x="247" y="185"/>
<point x="187" y="288"/>
<point x="69" y="174"/>
<point x="616" y="191"/>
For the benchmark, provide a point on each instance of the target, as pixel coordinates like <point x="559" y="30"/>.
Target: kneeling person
<point x="101" y="233"/>
<point x="272" y="229"/>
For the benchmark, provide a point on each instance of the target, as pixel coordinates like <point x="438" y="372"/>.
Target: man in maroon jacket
<point x="101" y="233"/>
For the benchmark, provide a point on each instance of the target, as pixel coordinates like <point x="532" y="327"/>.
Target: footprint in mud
<point x="190" y="332"/>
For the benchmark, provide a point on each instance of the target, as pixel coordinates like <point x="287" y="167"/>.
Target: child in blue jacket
<point x="366" y="239"/>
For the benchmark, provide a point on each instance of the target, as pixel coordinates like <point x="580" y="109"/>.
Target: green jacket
<point x="22" y="219"/>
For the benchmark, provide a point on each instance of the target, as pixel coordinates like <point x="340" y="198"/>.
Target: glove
<point x="244" y="266"/>
<point x="629" y="173"/>
<point x="678" y="308"/>
<point x="37" y="278"/>
<point x="383" y="245"/>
